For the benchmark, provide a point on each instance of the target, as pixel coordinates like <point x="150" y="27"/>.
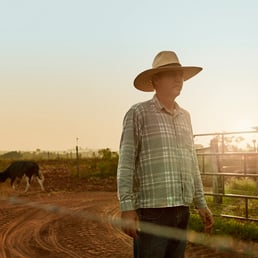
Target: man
<point x="158" y="175"/>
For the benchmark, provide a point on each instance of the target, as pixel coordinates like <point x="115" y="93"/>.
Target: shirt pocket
<point x="183" y="134"/>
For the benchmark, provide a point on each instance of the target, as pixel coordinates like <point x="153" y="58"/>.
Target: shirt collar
<point x="160" y="106"/>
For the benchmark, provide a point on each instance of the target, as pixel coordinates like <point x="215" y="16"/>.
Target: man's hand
<point x="207" y="219"/>
<point x="130" y="222"/>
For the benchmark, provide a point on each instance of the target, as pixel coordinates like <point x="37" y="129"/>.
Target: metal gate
<point x="222" y="158"/>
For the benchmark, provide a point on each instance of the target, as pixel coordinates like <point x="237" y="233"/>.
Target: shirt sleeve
<point x="128" y="153"/>
<point x="199" y="197"/>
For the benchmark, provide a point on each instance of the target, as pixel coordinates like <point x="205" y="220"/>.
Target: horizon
<point x="249" y="140"/>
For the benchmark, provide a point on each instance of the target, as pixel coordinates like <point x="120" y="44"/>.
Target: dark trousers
<point x="152" y="246"/>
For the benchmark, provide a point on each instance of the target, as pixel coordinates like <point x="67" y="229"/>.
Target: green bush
<point x="237" y="229"/>
<point x="104" y="165"/>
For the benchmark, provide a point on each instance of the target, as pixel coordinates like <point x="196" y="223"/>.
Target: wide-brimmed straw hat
<point x="163" y="61"/>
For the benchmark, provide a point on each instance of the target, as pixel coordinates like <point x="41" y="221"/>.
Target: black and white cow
<point x="18" y="169"/>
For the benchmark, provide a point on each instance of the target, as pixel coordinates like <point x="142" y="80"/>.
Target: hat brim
<point x="143" y="81"/>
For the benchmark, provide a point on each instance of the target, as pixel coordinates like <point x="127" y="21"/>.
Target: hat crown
<point x="165" y="58"/>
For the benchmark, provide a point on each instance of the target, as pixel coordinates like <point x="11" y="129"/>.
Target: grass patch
<point x="238" y="229"/>
<point x="244" y="186"/>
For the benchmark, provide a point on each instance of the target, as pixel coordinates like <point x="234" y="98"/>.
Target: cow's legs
<point x="15" y="182"/>
<point x="40" y="181"/>
<point x="27" y="183"/>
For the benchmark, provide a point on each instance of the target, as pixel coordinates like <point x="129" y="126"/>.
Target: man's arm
<point x="200" y="202"/>
<point x="127" y="162"/>
<point x="125" y="174"/>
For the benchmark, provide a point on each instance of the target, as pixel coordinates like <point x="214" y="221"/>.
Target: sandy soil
<point x="70" y="219"/>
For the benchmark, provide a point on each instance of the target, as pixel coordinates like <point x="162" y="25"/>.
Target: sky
<point x="67" y="67"/>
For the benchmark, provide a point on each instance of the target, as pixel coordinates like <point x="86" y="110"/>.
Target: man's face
<point x="169" y="83"/>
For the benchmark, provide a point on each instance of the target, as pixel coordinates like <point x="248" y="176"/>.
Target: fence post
<point x="77" y="158"/>
<point x="217" y="184"/>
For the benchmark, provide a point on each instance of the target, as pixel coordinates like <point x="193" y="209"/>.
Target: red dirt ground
<point x="71" y="219"/>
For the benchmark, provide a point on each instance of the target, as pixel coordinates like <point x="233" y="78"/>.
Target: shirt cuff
<point x="127" y="205"/>
<point x="201" y="203"/>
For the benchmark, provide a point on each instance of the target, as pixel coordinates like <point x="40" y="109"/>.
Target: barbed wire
<point x="216" y="242"/>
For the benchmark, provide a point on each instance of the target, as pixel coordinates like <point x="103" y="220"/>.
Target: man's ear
<point x="154" y="79"/>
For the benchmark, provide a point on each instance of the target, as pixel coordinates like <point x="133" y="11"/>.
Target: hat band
<point x="169" y="65"/>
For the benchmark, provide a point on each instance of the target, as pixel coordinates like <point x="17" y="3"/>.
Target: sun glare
<point x="243" y="125"/>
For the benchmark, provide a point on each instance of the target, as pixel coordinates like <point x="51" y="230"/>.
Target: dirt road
<point x="31" y="232"/>
<point x="69" y="220"/>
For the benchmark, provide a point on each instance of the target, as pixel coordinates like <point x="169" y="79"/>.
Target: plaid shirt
<point x="157" y="162"/>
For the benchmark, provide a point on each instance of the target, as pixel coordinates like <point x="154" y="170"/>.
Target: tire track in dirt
<point x="27" y="232"/>
<point x="46" y="237"/>
<point x="7" y="238"/>
<point x="36" y="233"/>
<point x="12" y="236"/>
<point x="24" y="237"/>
